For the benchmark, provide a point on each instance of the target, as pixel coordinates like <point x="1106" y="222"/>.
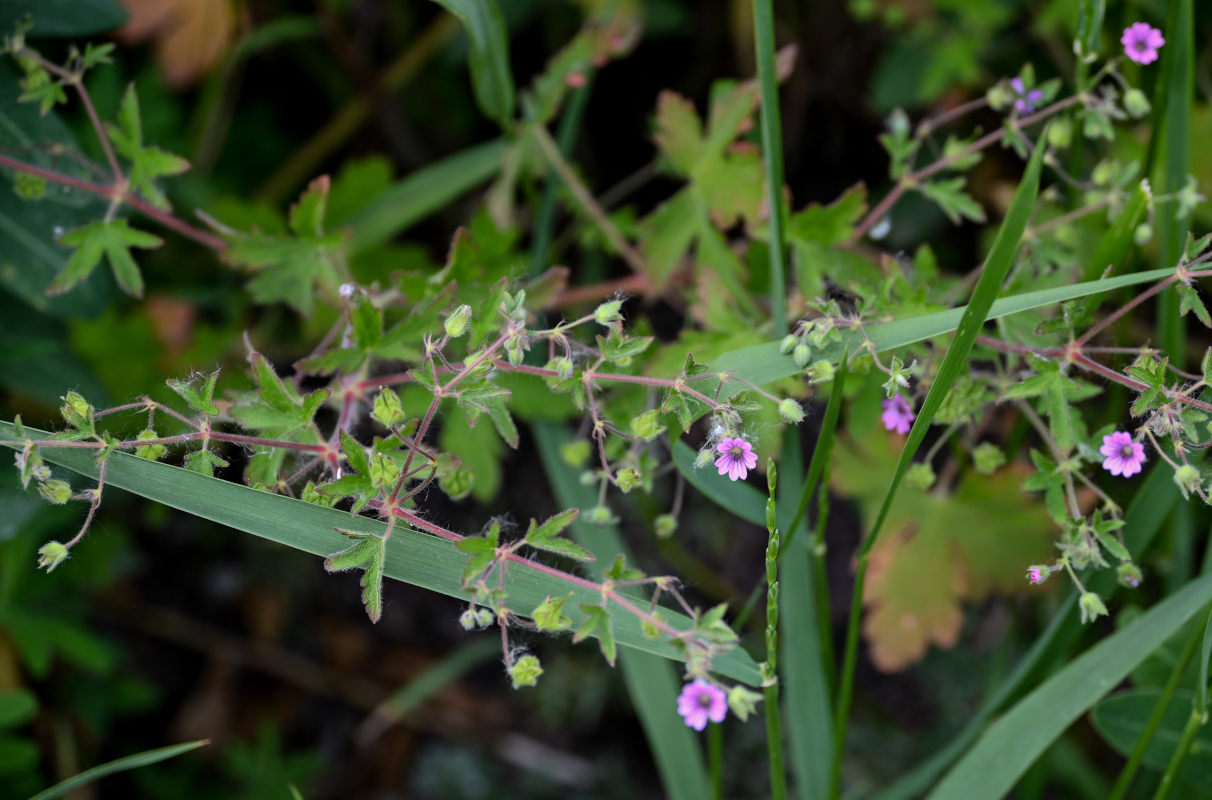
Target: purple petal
<point x="722" y="463"/>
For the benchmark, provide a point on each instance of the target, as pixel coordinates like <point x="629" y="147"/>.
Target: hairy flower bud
<point x="801" y="353"/>
<point x="789" y="342"/>
<point x="790" y="410"/>
<point x="51" y="555"/>
<point x="1129" y="575"/>
<point x="1187" y="478"/>
<point x="1091" y="606"/>
<point x="467" y="620"/>
<point x="456" y="324"/>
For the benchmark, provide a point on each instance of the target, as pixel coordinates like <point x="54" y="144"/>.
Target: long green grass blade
<point x="413" y="557"/>
<point x="118" y="765"/>
<point x="1142" y="522"/>
<point x="1013" y="743"/>
<point x="1119" y="240"/>
<point x="772" y="150"/>
<point x="764" y="364"/>
<point x="803" y="672"/>
<point x="997" y="265"/>
<point x="652" y="684"/>
<point x="487" y="55"/>
<point x="422" y="193"/>
<point x="823" y="448"/>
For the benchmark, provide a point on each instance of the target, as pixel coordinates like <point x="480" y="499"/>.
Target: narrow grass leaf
<point x="119" y="765"/>
<point x="1013" y="743"/>
<point x="487" y="55"/>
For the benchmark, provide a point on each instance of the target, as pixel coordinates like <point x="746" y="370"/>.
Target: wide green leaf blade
<point x="488" y="55"/>
<point x="118" y="765"/>
<point x="1013" y="743"/>
<point x="413" y="557"/>
<point x="764" y="364"/>
<point x="653" y="686"/>
<point x="421" y="193"/>
<point x="62" y="17"/>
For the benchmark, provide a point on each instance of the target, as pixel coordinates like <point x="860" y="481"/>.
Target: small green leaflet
<point x="146" y="163"/>
<point x="277" y="406"/>
<point x="483" y="552"/>
<point x="368" y="552"/>
<point x="549" y="615"/>
<point x="290" y="268"/>
<point x="547" y="537"/>
<point x="112" y="239"/>
<point x="597" y="621"/>
<point x="198" y="400"/>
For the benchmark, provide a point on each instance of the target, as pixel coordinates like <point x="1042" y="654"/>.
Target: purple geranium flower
<point x="1124" y="456"/>
<point x="1141" y="41"/>
<point x="737" y="459"/>
<point x="897" y="415"/>
<point x="1025" y="100"/>
<point x="1035" y="575"/>
<point x="700" y="701"/>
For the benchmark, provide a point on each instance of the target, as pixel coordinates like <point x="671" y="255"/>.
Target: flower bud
<point x="821" y="372"/>
<point x="1091" y="606"/>
<point x="742" y="701"/>
<point x="563" y="367"/>
<point x="56" y="492"/>
<point x="1129" y="575"/>
<point x="1187" y="478"/>
<point x="1060" y="133"/>
<point x="1136" y="104"/>
<point x="664" y="526"/>
<point x="801" y="353"/>
<point x="1143" y="233"/>
<point x="51" y="555"/>
<point x="467" y="620"/>
<point x="456" y="324"/>
<point x="484" y="617"/>
<point x="788" y="343"/>
<point x="790" y="410"/>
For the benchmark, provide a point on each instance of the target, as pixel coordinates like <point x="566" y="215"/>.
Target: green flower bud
<point x="743" y="702"/>
<point x="77" y="412"/>
<point x="153" y="452"/>
<point x="525" y="672"/>
<point x="788" y="343"/>
<point x="384" y="471"/>
<point x="821" y="372"/>
<point x="1136" y="104"/>
<point x="456" y="324"/>
<point x="1060" y="133"/>
<point x="563" y="367"/>
<point x="790" y="410"/>
<point x="388" y="411"/>
<point x="1143" y="233"/>
<point x="484" y="617"/>
<point x="664" y="526"/>
<point x="704" y="458"/>
<point x="988" y="458"/>
<point x="1187" y="477"/>
<point x="1000" y="97"/>
<point x="575" y="453"/>
<point x="627" y="479"/>
<point x="1091" y="606"/>
<point x="647" y="426"/>
<point x="467" y="620"/>
<point x="920" y="476"/>
<point x="56" y="492"/>
<point x="1129" y="575"/>
<point x="600" y="515"/>
<point x="801" y="353"/>
<point x="51" y="555"/>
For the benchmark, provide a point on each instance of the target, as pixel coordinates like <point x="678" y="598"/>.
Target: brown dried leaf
<point x="190" y="35"/>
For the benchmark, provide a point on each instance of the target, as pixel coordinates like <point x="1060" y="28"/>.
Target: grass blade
<point x="772" y="150"/>
<point x="652" y="685"/>
<point x="487" y="55"/>
<point x="413" y="557"/>
<point x="423" y="192"/>
<point x="1012" y="744"/>
<point x="119" y="765"/>
<point x="997" y="265"/>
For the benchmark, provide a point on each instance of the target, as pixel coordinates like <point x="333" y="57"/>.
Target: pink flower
<point x="737" y="459"/>
<point x="1141" y="41"/>
<point x="1026" y="100"/>
<point x="897" y="416"/>
<point x="701" y="700"/>
<point x="1035" y="575"/>
<point x="1124" y="456"/>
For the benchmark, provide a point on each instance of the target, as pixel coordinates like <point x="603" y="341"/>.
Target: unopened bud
<point x="801" y="353"/>
<point x="1129" y="575"/>
<point x="456" y="324"/>
<point x="789" y="342"/>
<point x="790" y="410"/>
<point x="1091" y="606"/>
<point x="51" y="555"/>
<point x="467" y="620"/>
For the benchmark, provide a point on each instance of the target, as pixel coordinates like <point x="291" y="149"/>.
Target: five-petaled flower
<point x="737" y="459"/>
<point x="700" y="701"/>
<point x="897" y="415"/>
<point x="1025" y="101"/>
<point x="1141" y="41"/>
<point x="1124" y="456"/>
